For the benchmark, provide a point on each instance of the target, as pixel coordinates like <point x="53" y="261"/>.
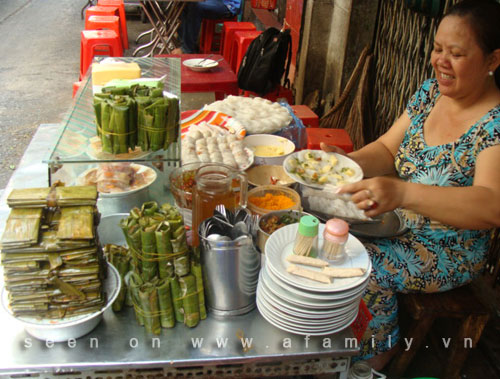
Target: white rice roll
<point x="204" y="157"/>
<point x="228" y="158"/>
<point x="224" y="147"/>
<point x="216" y="156"/>
<point x="231" y="137"/>
<point x="194" y="134"/>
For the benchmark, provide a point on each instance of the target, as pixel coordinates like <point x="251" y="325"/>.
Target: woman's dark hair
<point x="483" y="17"/>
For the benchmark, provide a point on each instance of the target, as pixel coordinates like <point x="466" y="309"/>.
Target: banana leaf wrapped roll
<point x="196" y="270"/>
<point x="120" y="258"/>
<point x="97" y="103"/>
<point x="149" y="208"/>
<point x="135" y="213"/>
<point x="144" y="121"/>
<point x="148" y="297"/>
<point x="106" y="127"/>
<point x="149" y="261"/>
<point x="181" y="265"/>
<point x="129" y="302"/>
<point x="119" y="125"/>
<point x="134" y="283"/>
<point x="157" y="133"/>
<point x="163" y="248"/>
<point x="167" y="314"/>
<point x="172" y="121"/>
<point x="179" y="239"/>
<point x="176" y="298"/>
<point x="132" y="231"/>
<point x="190" y="306"/>
<point x="116" y="91"/>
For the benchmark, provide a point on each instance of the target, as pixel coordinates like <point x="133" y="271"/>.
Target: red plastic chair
<point x="228" y="30"/>
<point x="241" y="41"/>
<point x="98" y="42"/>
<point x="121" y="13"/>
<point x="209" y="34"/>
<point x="104" y="22"/>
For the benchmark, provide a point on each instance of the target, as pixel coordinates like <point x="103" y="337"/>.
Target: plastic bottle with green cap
<point x="306" y="241"/>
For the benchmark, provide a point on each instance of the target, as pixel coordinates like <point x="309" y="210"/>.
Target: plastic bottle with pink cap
<point x="335" y="237"/>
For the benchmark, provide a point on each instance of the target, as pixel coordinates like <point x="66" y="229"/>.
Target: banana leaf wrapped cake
<point x="137" y="115"/>
<point x="164" y="283"/>
<point x="53" y="266"/>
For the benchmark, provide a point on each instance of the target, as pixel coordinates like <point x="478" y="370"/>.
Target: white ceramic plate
<point x="140" y="169"/>
<point x="71" y="327"/>
<point x="298" y="298"/>
<point x="343" y="162"/>
<point x="280" y="325"/>
<point x="303" y="310"/>
<point x="280" y="245"/>
<point x="314" y="296"/>
<point x="200" y="64"/>
<point x="307" y="324"/>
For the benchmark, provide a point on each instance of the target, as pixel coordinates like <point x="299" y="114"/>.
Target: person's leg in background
<point x="191" y="20"/>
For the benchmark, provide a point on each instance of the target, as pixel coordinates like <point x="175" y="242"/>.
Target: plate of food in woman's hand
<point x="317" y="169"/>
<point x="118" y="179"/>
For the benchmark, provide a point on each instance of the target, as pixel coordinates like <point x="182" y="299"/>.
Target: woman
<point x="445" y="152"/>
<point x="193" y="15"/>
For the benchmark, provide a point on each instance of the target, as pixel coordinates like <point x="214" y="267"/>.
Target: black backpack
<point x="266" y="60"/>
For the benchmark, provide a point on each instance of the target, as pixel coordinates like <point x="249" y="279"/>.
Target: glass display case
<point x="78" y="149"/>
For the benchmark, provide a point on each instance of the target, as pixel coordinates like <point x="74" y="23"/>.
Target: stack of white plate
<point x="303" y="306"/>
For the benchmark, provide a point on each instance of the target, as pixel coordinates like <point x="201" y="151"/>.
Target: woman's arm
<point x="377" y="158"/>
<point x="474" y="207"/>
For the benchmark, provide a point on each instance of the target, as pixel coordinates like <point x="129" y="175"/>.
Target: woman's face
<point x="460" y="65"/>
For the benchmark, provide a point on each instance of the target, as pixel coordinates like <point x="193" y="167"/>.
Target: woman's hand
<point x="376" y="195"/>
<point x="331" y="149"/>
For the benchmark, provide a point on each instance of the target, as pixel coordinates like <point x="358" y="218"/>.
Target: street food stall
<point x="174" y="197"/>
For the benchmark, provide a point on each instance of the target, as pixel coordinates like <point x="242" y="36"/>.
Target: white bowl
<point x="200" y="64"/>
<point x="254" y="140"/>
<point x="72" y="327"/>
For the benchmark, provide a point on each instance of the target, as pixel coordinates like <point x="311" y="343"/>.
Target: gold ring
<point x="369" y="193"/>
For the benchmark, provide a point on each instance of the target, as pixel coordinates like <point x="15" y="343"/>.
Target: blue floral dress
<point x="432" y="256"/>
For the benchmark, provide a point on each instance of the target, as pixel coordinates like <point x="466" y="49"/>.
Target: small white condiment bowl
<point x="255" y="140"/>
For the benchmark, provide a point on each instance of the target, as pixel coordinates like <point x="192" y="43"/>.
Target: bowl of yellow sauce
<point x="269" y="149"/>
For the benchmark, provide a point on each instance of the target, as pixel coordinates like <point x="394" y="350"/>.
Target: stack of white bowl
<point x="303" y="306"/>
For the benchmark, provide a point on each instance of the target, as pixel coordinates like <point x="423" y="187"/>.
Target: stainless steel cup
<point x="230" y="275"/>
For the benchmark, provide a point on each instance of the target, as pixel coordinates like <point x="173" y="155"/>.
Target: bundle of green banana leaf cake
<point x="163" y="276"/>
<point x="53" y="266"/>
<point x="136" y="115"/>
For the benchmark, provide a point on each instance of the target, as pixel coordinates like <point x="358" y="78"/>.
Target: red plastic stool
<point x="209" y="34"/>
<point x="279" y="93"/>
<point x="76" y="87"/>
<point x="121" y="13"/>
<point x="335" y="137"/>
<point x="104" y="22"/>
<point x="98" y="42"/>
<point x="241" y="41"/>
<point x="226" y="39"/>
<point x="97" y="10"/>
<point x="308" y="117"/>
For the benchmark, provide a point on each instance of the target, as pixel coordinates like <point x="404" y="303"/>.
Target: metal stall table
<point x="244" y="345"/>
